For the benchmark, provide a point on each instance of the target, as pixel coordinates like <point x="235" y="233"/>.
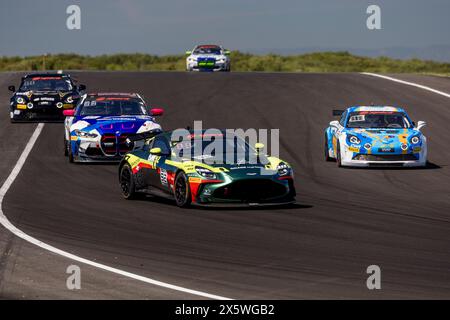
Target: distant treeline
<point x="312" y="62"/>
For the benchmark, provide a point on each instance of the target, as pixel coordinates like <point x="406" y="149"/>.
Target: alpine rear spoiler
<point x="337" y="113"/>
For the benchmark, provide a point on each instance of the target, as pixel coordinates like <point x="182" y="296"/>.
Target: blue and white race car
<point x="208" y="58"/>
<point x="99" y="127"/>
<point x="375" y="136"/>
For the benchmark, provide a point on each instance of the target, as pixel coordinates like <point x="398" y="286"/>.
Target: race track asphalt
<point x="345" y="219"/>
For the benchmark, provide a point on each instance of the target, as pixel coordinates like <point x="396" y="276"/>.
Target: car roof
<point x="113" y="94"/>
<point x="33" y="75"/>
<point x="375" y="108"/>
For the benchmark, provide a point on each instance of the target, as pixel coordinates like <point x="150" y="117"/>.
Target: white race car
<point x="208" y="58"/>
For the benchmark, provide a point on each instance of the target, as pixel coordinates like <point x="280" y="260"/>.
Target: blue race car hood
<point x="393" y="138"/>
<point x="115" y="124"/>
<point x="384" y="135"/>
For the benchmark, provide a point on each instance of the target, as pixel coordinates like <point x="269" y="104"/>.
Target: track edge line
<point x="407" y="83"/>
<point x="19" y="233"/>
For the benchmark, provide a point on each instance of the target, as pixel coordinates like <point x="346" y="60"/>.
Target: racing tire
<point x="66" y="149"/>
<point x="69" y="153"/>
<point x="326" y="151"/>
<point x="182" y="190"/>
<point x="338" y="155"/>
<point x="12" y="120"/>
<point x="127" y="183"/>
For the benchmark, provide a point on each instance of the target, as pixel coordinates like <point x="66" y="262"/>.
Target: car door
<point x="158" y="177"/>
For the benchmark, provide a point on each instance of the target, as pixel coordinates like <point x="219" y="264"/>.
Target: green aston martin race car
<point x="204" y="169"/>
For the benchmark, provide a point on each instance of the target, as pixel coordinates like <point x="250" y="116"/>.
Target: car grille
<point x="112" y="145"/>
<point x="124" y="147"/>
<point x="43" y="113"/>
<point x="251" y="190"/>
<point x="109" y="144"/>
<point x="386" y="157"/>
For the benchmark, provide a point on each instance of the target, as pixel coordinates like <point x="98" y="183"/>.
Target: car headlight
<point x="84" y="134"/>
<point x="69" y="99"/>
<point x="20" y="100"/>
<point x="415" y="140"/>
<point x="283" y="169"/>
<point x="206" y="173"/>
<point x="354" y="139"/>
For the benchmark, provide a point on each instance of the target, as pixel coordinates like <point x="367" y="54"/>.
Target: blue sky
<point x="172" y="26"/>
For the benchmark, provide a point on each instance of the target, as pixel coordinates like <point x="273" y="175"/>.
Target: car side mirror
<point x="12" y="88"/>
<point x="69" y="113"/>
<point x="82" y="87"/>
<point x="334" y="123"/>
<point x="155" y="151"/>
<point x="156" y="112"/>
<point x="188" y="53"/>
<point x="421" y="124"/>
<point x="259" y="147"/>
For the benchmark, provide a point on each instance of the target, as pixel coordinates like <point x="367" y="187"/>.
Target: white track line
<point x="408" y="83"/>
<point x="8" y="225"/>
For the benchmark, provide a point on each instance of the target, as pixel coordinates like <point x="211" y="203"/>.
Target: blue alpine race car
<point x="375" y="136"/>
<point x="98" y="128"/>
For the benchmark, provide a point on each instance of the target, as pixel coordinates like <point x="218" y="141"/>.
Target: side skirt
<point x="157" y="193"/>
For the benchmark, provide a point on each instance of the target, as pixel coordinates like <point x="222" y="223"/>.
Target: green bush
<point x="311" y="62"/>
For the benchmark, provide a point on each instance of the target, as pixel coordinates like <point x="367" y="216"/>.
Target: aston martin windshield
<point x="46" y="84"/>
<point x="112" y="107"/>
<point x="364" y="119"/>
<point x="215" y="148"/>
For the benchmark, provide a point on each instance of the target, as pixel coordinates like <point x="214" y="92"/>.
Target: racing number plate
<point x="207" y="63"/>
<point x="386" y="150"/>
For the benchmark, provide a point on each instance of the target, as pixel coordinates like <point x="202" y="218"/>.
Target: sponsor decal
<point x="140" y="165"/>
<point x="46" y="78"/>
<point x="117" y="119"/>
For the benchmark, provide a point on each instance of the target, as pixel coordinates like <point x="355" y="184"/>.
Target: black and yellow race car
<point x="191" y="171"/>
<point x="44" y="97"/>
